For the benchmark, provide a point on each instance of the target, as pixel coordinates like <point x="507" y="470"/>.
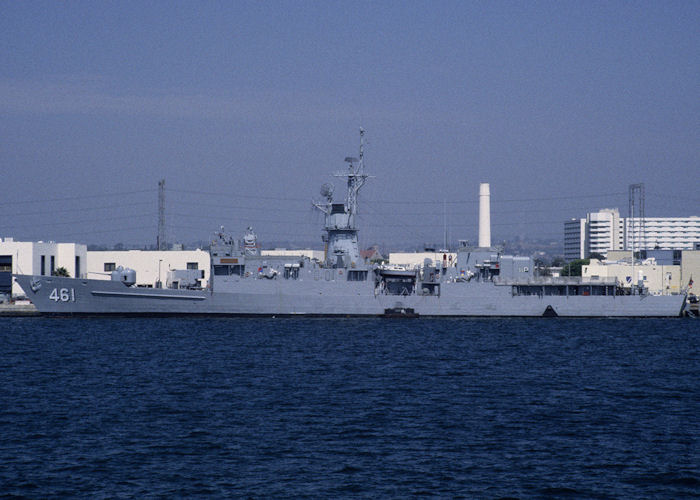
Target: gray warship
<point x="480" y="281"/>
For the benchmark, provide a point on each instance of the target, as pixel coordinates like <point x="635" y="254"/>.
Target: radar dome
<point x="327" y="190"/>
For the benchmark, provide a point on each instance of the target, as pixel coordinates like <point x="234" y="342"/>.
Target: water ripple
<point x="356" y="408"/>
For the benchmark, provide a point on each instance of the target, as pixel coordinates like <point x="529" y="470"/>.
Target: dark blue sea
<point x="360" y="408"/>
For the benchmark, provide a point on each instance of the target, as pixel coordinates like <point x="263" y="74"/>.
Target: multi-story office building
<point x="664" y="233"/>
<point x="575" y="239"/>
<point x="605" y="230"/>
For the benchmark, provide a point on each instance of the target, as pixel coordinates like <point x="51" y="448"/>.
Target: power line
<point x="666" y="197"/>
<point x="277" y="234"/>
<point x="66" y="210"/>
<point x="552" y="198"/>
<point x="412" y="202"/>
<point x="102" y="231"/>
<point x="493" y="212"/>
<point x="235" y="195"/>
<point x="257" y="209"/>
<point x="249" y="219"/>
<point x="85" y="221"/>
<point x="115" y="230"/>
<point x="236" y="207"/>
<point x="72" y="198"/>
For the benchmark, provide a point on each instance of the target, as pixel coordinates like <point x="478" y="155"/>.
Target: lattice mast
<point x="636" y="223"/>
<point x="356" y="179"/>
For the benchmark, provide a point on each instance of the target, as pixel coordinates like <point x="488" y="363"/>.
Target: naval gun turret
<point x="125" y="275"/>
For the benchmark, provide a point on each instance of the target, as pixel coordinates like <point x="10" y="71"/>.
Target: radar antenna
<point x="327" y="191"/>
<point x="356" y="178"/>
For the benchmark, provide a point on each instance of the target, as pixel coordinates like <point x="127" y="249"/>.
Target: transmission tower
<point x="161" y="243"/>
<point x="636" y="224"/>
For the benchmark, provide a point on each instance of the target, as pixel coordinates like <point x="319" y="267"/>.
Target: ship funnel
<point x="484" y="215"/>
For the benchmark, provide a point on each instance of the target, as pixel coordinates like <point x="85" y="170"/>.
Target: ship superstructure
<point x="340" y="238"/>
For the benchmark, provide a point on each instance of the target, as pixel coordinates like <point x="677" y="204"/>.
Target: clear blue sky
<point x="246" y="108"/>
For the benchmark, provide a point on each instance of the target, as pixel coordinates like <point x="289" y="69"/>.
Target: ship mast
<point x="356" y="179"/>
<point x="341" y="224"/>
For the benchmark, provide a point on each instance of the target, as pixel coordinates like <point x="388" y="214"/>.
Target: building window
<point x="110" y="266"/>
<point x="53" y="264"/>
<point x="193" y="265"/>
<point x="43" y="265"/>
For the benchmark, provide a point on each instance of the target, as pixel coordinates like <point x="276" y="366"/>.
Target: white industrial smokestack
<point x="484" y="216"/>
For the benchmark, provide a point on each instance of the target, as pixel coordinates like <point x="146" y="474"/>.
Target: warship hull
<point x="263" y="297"/>
<point x="480" y="281"/>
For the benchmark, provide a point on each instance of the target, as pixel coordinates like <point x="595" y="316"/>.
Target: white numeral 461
<point x="62" y="295"/>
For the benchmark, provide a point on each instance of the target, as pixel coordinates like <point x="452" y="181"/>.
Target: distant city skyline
<point x="246" y="108"/>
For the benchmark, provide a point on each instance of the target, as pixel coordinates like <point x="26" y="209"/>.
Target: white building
<point x="663" y="233"/>
<point x="605" y="230"/>
<point x="39" y="258"/>
<point x="151" y="266"/>
<point x="599" y="232"/>
<point x="657" y="278"/>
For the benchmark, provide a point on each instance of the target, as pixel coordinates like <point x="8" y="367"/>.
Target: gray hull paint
<point x="247" y="283"/>
<point x="55" y="295"/>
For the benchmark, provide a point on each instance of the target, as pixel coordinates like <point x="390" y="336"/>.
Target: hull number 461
<point x="62" y="295"/>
